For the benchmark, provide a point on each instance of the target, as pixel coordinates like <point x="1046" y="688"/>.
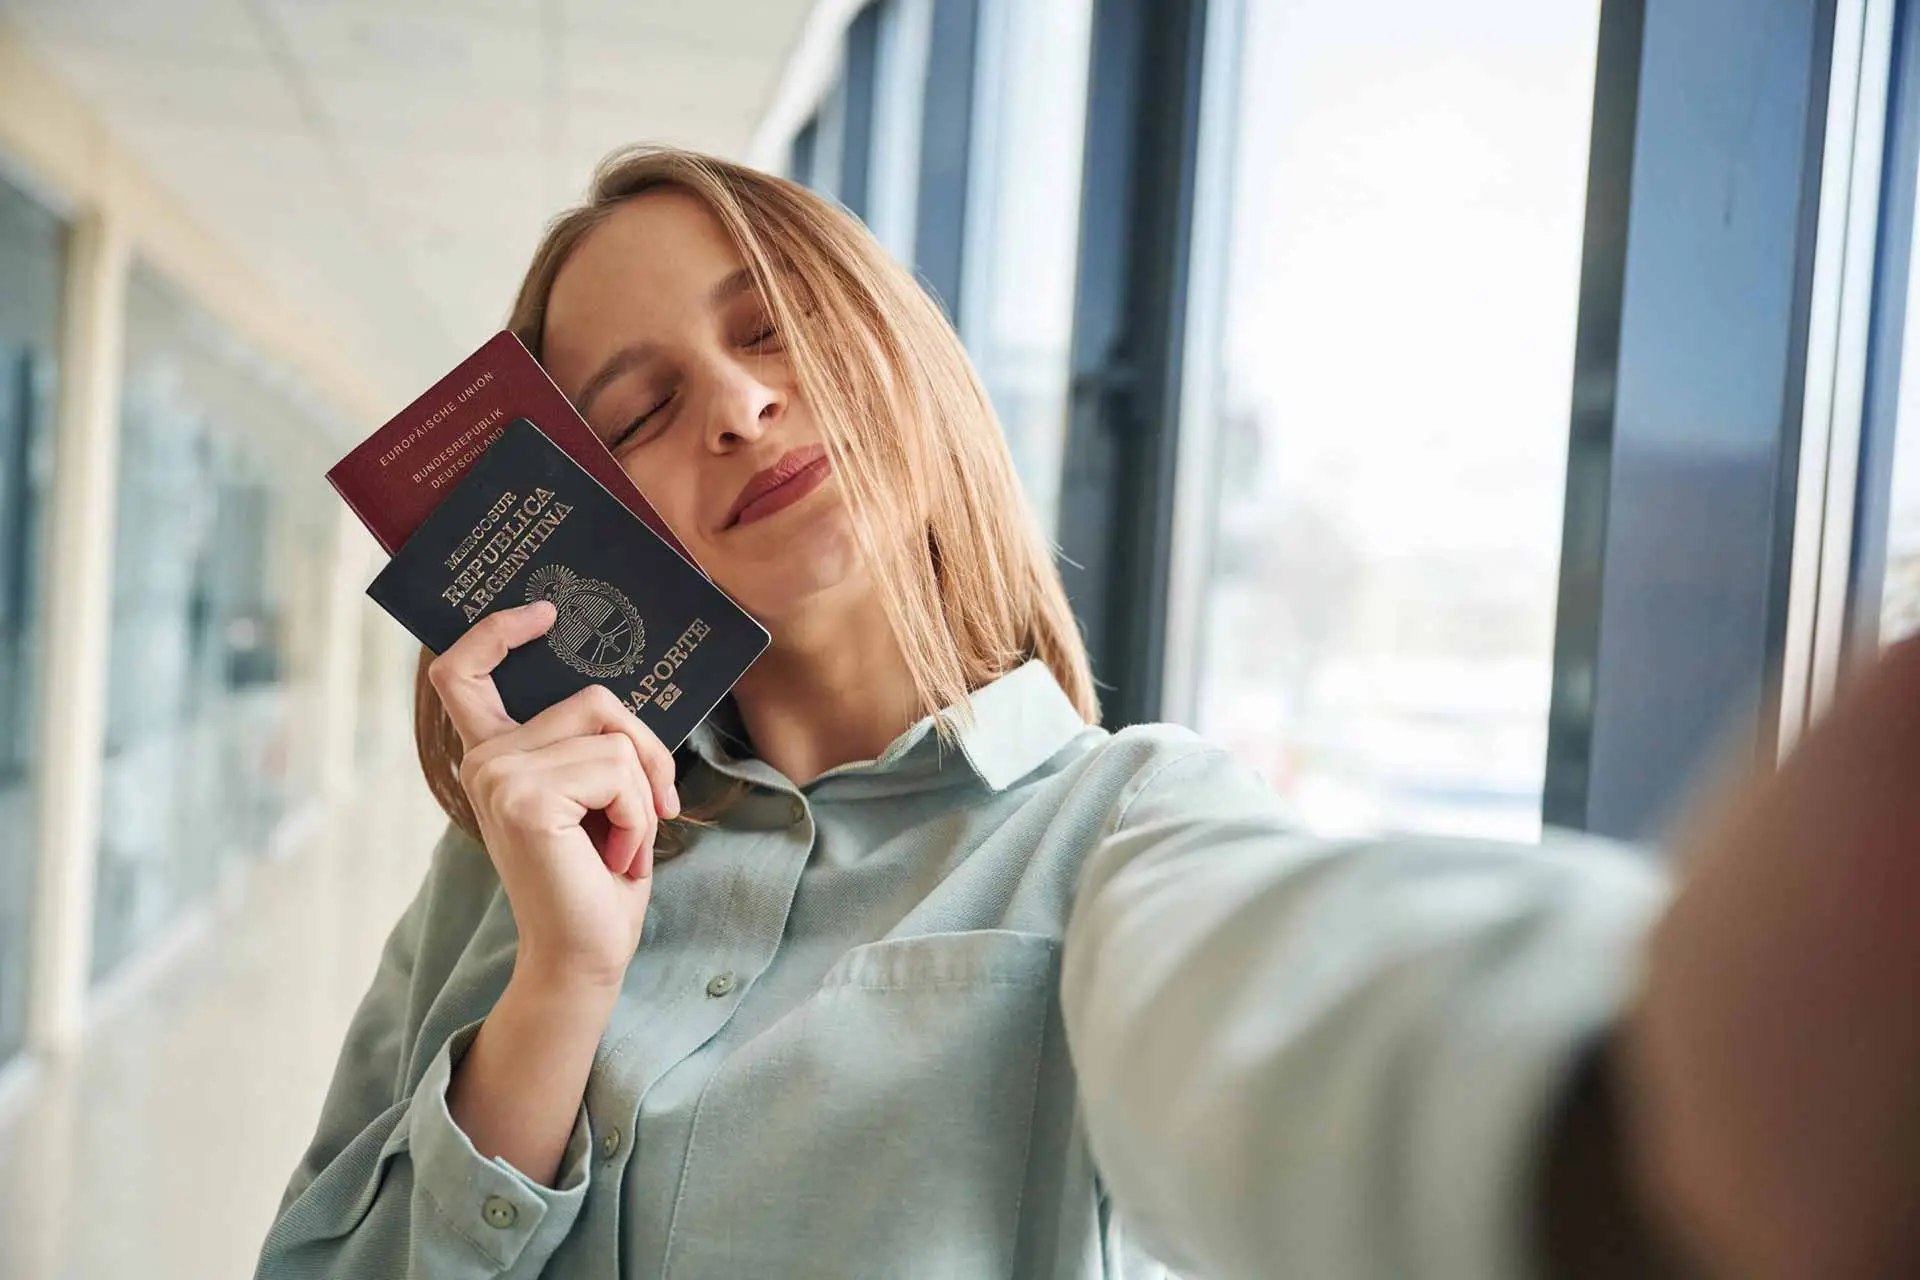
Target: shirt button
<point x="499" y="1212"/>
<point x="797" y="810"/>
<point x="721" y="984"/>
<point x="610" y="1144"/>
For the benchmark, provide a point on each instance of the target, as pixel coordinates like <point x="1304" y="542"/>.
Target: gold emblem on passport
<point x="597" y="632"/>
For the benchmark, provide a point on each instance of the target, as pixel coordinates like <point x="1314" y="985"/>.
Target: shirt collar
<point x="1020" y="720"/>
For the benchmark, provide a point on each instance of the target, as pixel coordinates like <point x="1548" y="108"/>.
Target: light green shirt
<point x="1039" y="1007"/>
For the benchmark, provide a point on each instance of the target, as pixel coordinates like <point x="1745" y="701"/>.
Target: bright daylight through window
<point x="1409" y="194"/>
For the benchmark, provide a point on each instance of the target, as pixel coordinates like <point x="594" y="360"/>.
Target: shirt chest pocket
<point x="881" y="1128"/>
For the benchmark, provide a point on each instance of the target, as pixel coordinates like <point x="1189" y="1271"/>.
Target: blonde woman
<point x="903" y="967"/>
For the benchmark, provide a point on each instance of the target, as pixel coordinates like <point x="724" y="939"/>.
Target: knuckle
<point x="640" y="776"/>
<point x="658" y="761"/>
<point x="631" y="752"/>
<point x="483" y="771"/>
<point x="603" y="700"/>
<point x="637" y="777"/>
<point x="517" y="797"/>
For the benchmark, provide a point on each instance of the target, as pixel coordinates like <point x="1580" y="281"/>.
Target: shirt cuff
<point x="1486" y="1098"/>
<point x="498" y="1209"/>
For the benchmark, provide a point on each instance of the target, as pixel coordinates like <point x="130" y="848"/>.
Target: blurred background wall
<point x="1473" y="414"/>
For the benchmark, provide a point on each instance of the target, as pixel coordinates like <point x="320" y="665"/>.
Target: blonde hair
<point x="908" y="426"/>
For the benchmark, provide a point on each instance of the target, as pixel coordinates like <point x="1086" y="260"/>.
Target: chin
<point x="801" y="567"/>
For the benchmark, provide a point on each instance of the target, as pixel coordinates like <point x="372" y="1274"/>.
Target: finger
<point x="598" y="710"/>
<point x="463" y="675"/>
<point x="600" y="774"/>
<point x="620" y="848"/>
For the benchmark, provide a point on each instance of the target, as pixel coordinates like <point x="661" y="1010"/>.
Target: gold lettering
<point x="468" y="576"/>
<point x="507" y="564"/>
<point x="472" y="540"/>
<point x="468" y="391"/>
<point x="510" y="528"/>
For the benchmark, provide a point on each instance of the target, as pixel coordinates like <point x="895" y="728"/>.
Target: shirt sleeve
<point x="1328" y="1058"/>
<point x="391" y="1188"/>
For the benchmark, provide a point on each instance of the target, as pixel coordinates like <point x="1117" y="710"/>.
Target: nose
<point x="743" y="408"/>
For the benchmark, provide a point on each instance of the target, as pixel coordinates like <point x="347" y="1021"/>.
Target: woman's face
<point x="656" y="334"/>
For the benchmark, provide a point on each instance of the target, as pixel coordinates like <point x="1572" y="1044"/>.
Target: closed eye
<point x="627" y="432"/>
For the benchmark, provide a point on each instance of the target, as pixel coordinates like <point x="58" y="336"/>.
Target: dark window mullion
<point x="1117" y="490"/>
<point x="1688" y="388"/>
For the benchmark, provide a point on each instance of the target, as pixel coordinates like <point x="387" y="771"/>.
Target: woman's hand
<point x="569" y="804"/>
<point x="1773" y="1064"/>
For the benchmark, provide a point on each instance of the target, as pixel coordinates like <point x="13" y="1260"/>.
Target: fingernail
<point x="673" y="801"/>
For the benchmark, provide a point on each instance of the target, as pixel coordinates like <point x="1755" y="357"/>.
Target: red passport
<point x="396" y="477"/>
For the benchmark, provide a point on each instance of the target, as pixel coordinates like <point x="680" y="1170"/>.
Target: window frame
<point x="1118" y="483"/>
<point x="1886" y="343"/>
<point x="1690" y="382"/>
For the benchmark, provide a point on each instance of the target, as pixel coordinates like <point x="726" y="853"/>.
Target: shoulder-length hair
<point x="966" y="578"/>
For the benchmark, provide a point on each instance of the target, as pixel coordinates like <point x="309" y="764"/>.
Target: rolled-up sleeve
<point x="390" y="1187"/>
<point x="1333" y="1058"/>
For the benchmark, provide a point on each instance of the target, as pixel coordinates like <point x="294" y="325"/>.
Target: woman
<point x="936" y="977"/>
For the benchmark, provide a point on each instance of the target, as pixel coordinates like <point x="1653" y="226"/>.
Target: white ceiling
<point x="387" y="164"/>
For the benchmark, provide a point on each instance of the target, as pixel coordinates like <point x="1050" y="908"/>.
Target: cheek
<point x="670" y="488"/>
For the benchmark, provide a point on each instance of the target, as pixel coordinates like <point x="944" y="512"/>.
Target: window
<point x="861" y="146"/>
<point x="904" y="28"/>
<point x="1023" y="216"/>
<point x="222" y="528"/>
<point x="854" y="104"/>
<point x="1389" y="416"/>
<point x="800" y="155"/>
<point x="955" y="130"/>
<point x="1881" y="525"/>
<point x="1900" y="605"/>
<point x="31" y="261"/>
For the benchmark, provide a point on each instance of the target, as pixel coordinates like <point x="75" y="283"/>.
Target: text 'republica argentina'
<point x="492" y="555"/>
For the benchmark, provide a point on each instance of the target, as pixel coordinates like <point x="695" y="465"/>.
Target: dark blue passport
<point x="527" y="523"/>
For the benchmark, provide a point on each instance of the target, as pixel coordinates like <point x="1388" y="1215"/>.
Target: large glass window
<point x="31" y="257"/>
<point x="899" y="99"/>
<point x="1023" y="219"/>
<point x="874" y="105"/>
<point x="800" y="155"/>
<point x="1021" y="189"/>
<point x="1900" y="606"/>
<point x="1390" y="410"/>
<point x="222" y="526"/>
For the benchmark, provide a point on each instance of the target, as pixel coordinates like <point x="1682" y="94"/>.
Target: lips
<point x="784" y="483"/>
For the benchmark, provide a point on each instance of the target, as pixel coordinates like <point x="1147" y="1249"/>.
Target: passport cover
<point x="400" y="473"/>
<point x="528" y="523"/>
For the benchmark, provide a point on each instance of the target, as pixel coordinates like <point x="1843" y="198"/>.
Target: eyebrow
<point x="629" y="358"/>
<point x="732" y="287"/>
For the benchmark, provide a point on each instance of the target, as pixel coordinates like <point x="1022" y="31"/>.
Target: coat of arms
<point x="598" y="632"/>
